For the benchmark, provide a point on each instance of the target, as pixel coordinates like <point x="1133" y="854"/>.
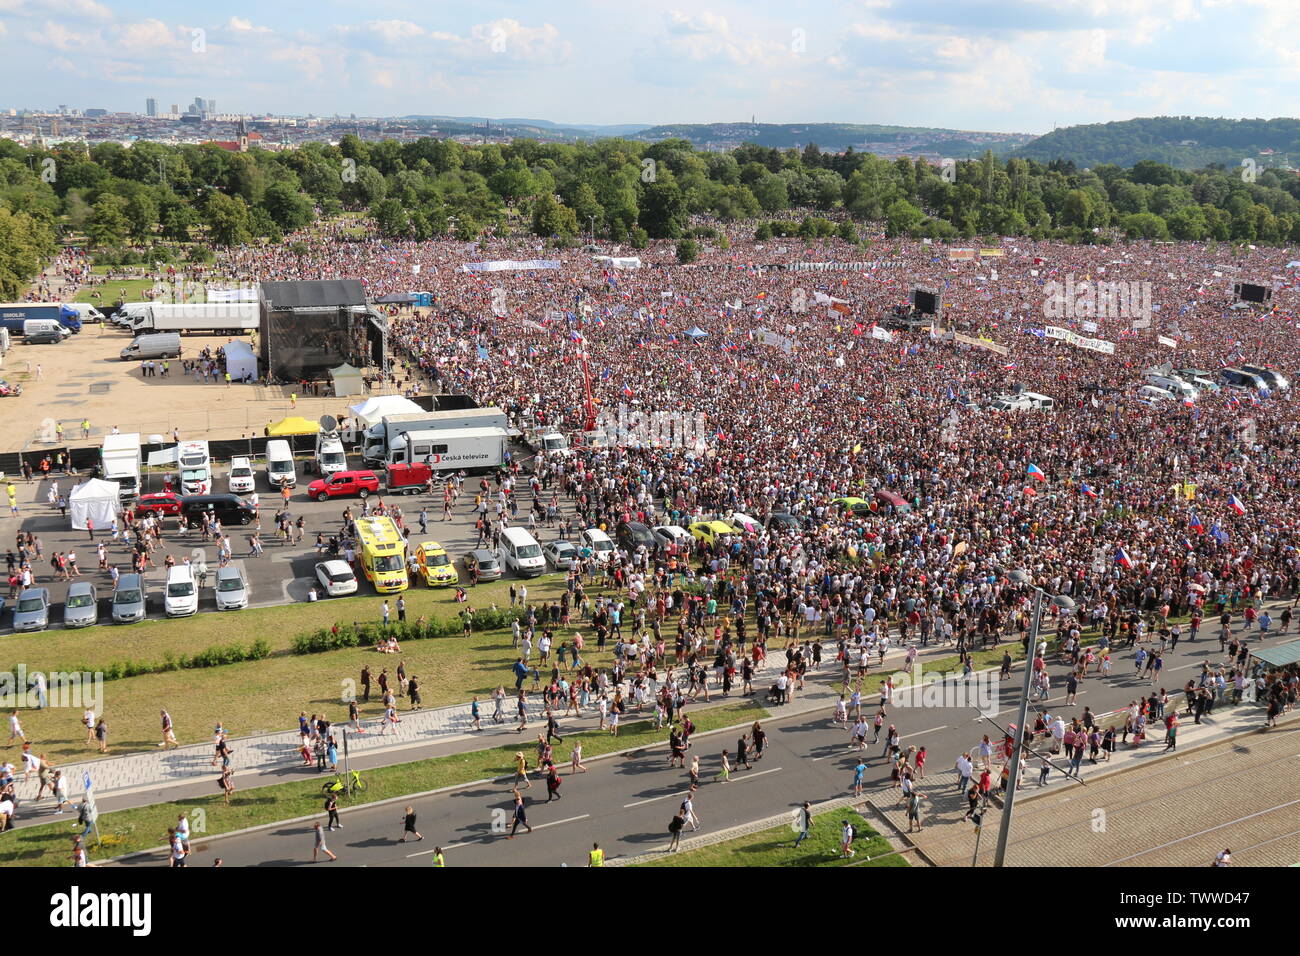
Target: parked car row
<point x="128" y="602"/>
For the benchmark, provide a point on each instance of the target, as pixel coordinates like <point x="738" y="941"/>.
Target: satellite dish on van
<point x="328" y="423"/>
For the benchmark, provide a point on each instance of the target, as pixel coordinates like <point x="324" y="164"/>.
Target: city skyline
<point x="1021" y="66"/>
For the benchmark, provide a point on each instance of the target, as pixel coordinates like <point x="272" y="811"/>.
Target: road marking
<point x="540" y="826"/>
<point x="641" y="803"/>
<point x="920" y="732"/>
<point x="751" y="776"/>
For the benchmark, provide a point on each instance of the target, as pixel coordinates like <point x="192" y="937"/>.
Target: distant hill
<point x="837" y="137"/>
<point x="1187" y="142"/>
<point x="526" y="128"/>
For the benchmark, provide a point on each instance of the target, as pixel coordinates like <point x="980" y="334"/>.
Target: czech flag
<point x="1196" y="523"/>
<point x="1122" y="558"/>
<point x="575" y="337"/>
<point x="1087" y="490"/>
<point x="627" y="390"/>
<point x="1235" y="504"/>
<point x="1036" y="472"/>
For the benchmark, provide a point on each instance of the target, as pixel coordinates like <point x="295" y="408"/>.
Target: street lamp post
<point x="1013" y="779"/>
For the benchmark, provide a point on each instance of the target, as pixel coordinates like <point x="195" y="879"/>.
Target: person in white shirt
<point x="15" y="729"/>
<point x="964" y="770"/>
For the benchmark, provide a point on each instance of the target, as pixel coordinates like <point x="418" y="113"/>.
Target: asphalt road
<point x="626" y="802"/>
<point x="282" y="575"/>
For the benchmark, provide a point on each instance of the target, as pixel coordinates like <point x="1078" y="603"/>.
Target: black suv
<point x="228" y="509"/>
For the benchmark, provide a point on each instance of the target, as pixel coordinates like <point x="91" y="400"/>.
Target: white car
<point x="667" y="534"/>
<point x="743" y="522"/>
<point x="336" y="578"/>
<point x="597" y="543"/>
<point x="242" y="479"/>
<point x="181" y="597"/>
<point x="232" y="588"/>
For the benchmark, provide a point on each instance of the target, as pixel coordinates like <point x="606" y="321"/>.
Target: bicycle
<point x="352" y="782"/>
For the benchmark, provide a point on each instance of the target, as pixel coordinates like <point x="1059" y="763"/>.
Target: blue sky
<point x="1006" y="65"/>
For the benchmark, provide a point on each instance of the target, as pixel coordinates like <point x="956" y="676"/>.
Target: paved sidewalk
<point x="151" y="770"/>
<point x="947" y="839"/>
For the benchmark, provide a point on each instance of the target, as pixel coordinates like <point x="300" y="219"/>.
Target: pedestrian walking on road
<point x="408" y="826"/>
<point x="520" y="815"/>
<point x="319" y="846"/>
<point x="675" y="828"/>
<point x="332" y="808"/>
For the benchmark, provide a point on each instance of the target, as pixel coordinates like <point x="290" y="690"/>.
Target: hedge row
<point x="213" y="656"/>
<point x="368" y="634"/>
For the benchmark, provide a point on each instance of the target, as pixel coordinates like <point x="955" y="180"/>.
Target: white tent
<point x="374" y="409"/>
<point x="240" y="361"/>
<point x="96" y="501"/>
<point x="347" y="380"/>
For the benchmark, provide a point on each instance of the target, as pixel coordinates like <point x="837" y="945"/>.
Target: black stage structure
<point x="310" y="327"/>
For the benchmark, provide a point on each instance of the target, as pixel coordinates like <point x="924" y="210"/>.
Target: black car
<point x="228" y="509"/>
<point x="784" y="521"/>
<point x="632" y="535"/>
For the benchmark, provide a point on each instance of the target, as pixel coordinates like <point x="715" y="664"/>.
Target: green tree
<point x="551" y="218"/>
<point x="391" y="219"/>
<point x="142" y="213"/>
<point x="288" y="207"/>
<point x="108" y="224"/>
<point x="663" y="209"/>
<point x="687" y="251"/>
<point x="228" y="219"/>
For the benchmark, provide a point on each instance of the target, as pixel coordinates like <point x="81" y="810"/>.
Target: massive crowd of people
<point x="1128" y="504"/>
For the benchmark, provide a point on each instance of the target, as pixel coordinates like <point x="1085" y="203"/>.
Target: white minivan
<point x="279" y="464"/>
<point x="242" y="478"/>
<point x="1176" y="386"/>
<point x="181" y="598"/>
<point x="521" y="553"/>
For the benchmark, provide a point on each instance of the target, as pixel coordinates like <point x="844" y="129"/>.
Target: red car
<point x="159" y="503"/>
<point x="342" y="483"/>
<point x="7" y="389"/>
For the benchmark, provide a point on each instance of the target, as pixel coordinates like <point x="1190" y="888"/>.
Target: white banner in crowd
<point x="842" y="266"/>
<point x="510" y="265"/>
<point x="878" y="333"/>
<point x="1165" y="340"/>
<point x="1065" y="335"/>
<point x="773" y="338"/>
<point x="981" y="343"/>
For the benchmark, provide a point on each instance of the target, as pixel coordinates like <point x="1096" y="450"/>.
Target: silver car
<point x="81" y="608"/>
<point x="560" y="554"/>
<point x="129" y="599"/>
<point x="32" y="612"/>
<point x="232" y="589"/>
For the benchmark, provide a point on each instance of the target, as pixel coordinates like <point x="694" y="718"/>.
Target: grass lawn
<point x="109" y="291"/>
<point x="265" y="695"/>
<point x="142" y="828"/>
<point x="775" y="847"/>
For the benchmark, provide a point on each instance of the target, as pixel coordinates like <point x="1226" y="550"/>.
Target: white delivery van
<point x="279" y="464"/>
<point x="521" y="553"/>
<point x="242" y="479"/>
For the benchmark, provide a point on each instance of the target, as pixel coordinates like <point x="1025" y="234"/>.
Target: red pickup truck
<point x="342" y="483"/>
<point x="408" y="479"/>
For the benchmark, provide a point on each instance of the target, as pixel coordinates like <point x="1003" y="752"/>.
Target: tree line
<point x="110" y="196"/>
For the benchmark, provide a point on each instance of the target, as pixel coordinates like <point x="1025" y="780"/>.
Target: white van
<point x="43" y="327"/>
<point x="279" y="464"/>
<point x="521" y="553"/>
<point x="1153" y="394"/>
<point x="242" y="478"/>
<point x="1173" y="385"/>
<point x="599" y="544"/>
<point x="181" y="598"/>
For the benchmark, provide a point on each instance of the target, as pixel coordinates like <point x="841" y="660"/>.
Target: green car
<point x="857" y="506"/>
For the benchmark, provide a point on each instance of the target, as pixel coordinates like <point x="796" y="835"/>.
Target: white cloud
<point x="240" y="25"/>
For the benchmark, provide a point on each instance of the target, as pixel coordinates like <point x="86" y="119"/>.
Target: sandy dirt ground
<point x="84" y="378"/>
